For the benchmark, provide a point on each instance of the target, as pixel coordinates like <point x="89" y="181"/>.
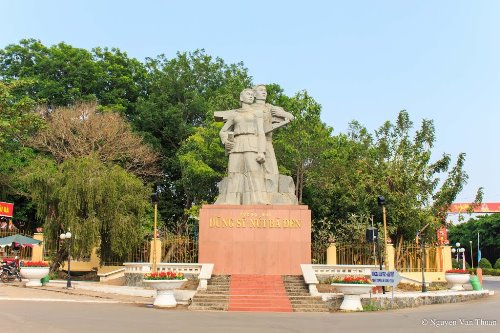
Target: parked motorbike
<point x="10" y="272"/>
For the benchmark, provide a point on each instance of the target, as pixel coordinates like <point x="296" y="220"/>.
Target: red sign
<point x="489" y="207"/>
<point x="442" y="236"/>
<point x="6" y="209"/>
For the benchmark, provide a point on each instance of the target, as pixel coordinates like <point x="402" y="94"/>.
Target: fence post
<point x="446" y="254"/>
<point x="331" y="254"/>
<point x="158" y="251"/>
<point x="390" y="256"/>
<point x="37" y="252"/>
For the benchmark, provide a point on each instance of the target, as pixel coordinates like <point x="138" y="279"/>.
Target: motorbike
<point x="10" y="272"/>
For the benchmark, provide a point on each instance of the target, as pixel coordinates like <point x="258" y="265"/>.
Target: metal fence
<point x="318" y="253"/>
<point x="357" y="254"/>
<point x="138" y="254"/>
<point x="23" y="253"/>
<point x="408" y="258"/>
<point x="179" y="249"/>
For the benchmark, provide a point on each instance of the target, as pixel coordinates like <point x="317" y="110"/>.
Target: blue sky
<point x="362" y="60"/>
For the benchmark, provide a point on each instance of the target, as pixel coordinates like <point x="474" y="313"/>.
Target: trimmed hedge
<point x="487" y="271"/>
<point x="497" y="264"/>
<point x="485" y="263"/>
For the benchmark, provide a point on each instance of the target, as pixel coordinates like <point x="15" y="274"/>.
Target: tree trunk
<point x="61" y="255"/>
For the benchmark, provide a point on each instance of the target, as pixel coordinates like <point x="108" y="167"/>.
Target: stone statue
<point x="253" y="176"/>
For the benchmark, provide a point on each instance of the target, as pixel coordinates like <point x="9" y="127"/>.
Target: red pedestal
<point x="256" y="239"/>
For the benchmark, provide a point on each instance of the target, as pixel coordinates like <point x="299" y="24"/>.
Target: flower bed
<point x="34" y="264"/>
<point x="457" y="271"/>
<point x="350" y="279"/>
<point x="164" y="276"/>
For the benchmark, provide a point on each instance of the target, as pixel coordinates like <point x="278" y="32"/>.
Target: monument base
<point x="255" y="239"/>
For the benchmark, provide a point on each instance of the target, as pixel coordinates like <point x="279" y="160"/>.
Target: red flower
<point x="34" y="264"/>
<point x="164" y="276"/>
<point x="458" y="271"/>
<point x="352" y="280"/>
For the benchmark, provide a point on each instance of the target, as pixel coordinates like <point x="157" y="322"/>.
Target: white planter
<point x="34" y="274"/>
<point x="164" y="292"/>
<point x="183" y="296"/>
<point x="457" y="280"/>
<point x="352" y="292"/>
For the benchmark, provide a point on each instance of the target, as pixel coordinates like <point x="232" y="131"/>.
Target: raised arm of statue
<point x="279" y="112"/>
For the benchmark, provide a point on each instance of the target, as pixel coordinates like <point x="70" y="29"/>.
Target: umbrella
<point x="20" y="239"/>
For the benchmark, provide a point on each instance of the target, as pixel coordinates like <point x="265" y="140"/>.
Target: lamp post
<point x="421" y="235"/>
<point x="63" y="237"/>
<point x="154" y="200"/>
<point x="459" y="250"/>
<point x="381" y="202"/>
<point x="471" y="257"/>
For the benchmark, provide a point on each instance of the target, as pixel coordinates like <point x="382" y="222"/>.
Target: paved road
<point x="68" y="316"/>
<point x="492" y="283"/>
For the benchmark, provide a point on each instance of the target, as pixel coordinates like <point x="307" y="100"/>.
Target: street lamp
<point x="63" y="237"/>
<point x="154" y="200"/>
<point x="459" y="250"/>
<point x="471" y="258"/>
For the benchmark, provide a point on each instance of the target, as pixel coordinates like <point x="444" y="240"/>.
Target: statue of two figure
<point x="253" y="176"/>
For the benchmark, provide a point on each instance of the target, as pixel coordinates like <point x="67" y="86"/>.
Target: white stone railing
<point x="343" y="269"/>
<point x="202" y="271"/>
<point x="311" y="273"/>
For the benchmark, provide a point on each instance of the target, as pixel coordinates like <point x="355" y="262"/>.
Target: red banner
<point x="489" y="207"/>
<point x="6" y="209"/>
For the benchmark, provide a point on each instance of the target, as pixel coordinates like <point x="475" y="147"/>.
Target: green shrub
<point x="491" y="271"/>
<point x="497" y="264"/>
<point x="485" y="263"/>
<point x="458" y="264"/>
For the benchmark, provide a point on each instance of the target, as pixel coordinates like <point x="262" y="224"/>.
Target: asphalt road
<point x="66" y="316"/>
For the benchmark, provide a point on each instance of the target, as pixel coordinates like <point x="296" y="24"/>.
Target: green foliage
<point x="103" y="205"/>
<point x="301" y="143"/>
<point x="488" y="227"/>
<point x="491" y="271"/>
<point x="394" y="162"/>
<point x="177" y="118"/>
<point x="458" y="264"/>
<point x="497" y="264"/>
<point x="18" y="120"/>
<point x="61" y="75"/>
<point x="485" y="263"/>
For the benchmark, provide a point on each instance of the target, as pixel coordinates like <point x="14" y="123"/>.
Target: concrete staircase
<point x="215" y="298"/>
<point x="300" y="298"/>
<point x="258" y="293"/>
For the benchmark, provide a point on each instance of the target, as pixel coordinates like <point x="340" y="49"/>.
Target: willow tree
<point x="102" y="205"/>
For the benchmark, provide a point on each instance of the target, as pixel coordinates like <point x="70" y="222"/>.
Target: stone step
<point x="315" y="303"/>
<point x="214" y="304"/>
<point x="208" y="308"/>
<point x="210" y="298"/>
<point x="215" y="288"/>
<point x="298" y="292"/>
<point x="258" y="293"/>
<point x="310" y="310"/>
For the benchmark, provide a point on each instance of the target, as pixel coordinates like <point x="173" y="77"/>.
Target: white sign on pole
<point x="385" y="278"/>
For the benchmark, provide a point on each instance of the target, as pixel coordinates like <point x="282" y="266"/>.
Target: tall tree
<point x="62" y="75"/>
<point x="18" y="120"/>
<point x="81" y="130"/>
<point x="103" y="205"/>
<point x="301" y="143"/>
<point x="488" y="228"/>
<point x="183" y="94"/>
<point x="394" y="162"/>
